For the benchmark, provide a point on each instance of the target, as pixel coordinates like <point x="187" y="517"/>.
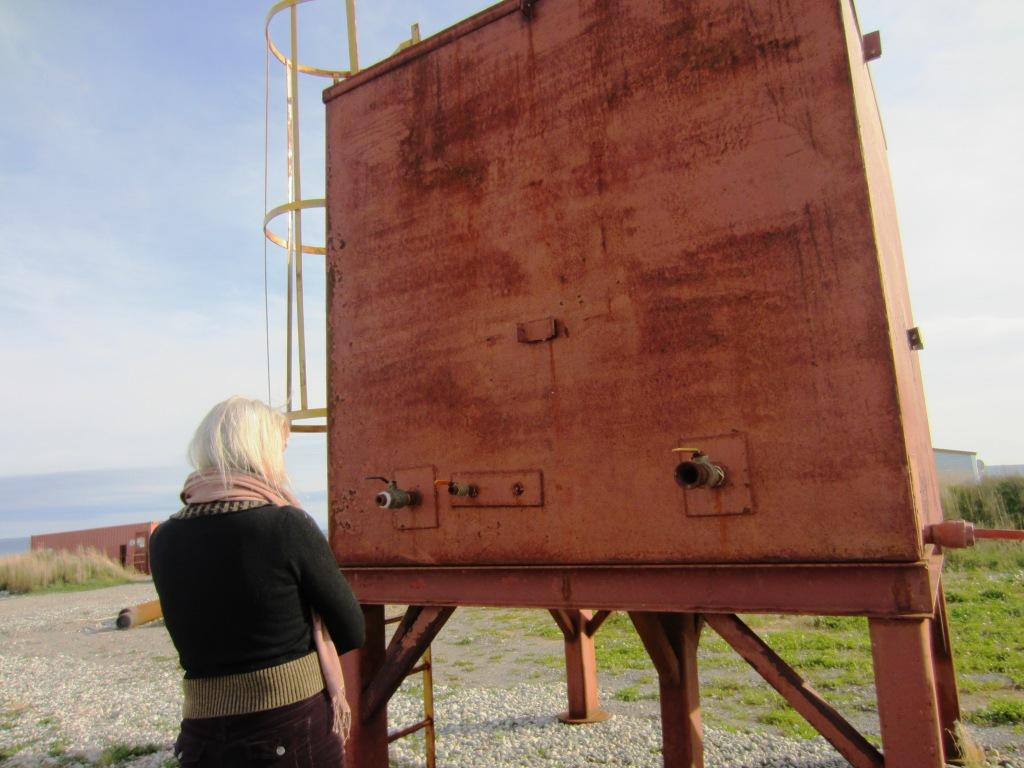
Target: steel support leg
<point x="367" y="745"/>
<point x="945" y="679"/>
<point x="908" y="708"/>
<point x="580" y="667"/>
<point x="671" y="640"/>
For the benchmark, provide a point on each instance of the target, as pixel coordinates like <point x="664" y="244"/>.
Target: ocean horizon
<point x="69" y="501"/>
<point x="14" y="546"/>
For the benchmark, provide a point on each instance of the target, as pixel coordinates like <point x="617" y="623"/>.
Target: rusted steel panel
<point x="855" y="590"/>
<point x="695" y="194"/>
<point x="126" y="544"/>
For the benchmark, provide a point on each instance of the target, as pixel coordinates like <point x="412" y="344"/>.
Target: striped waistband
<point x="255" y="691"/>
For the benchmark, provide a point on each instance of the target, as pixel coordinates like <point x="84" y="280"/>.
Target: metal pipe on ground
<point x="136" y="615"/>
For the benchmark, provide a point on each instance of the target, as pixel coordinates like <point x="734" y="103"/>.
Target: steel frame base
<point x="670" y="606"/>
<point x="578" y="629"/>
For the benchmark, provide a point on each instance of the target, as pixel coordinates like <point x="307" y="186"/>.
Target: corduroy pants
<point x="294" y="736"/>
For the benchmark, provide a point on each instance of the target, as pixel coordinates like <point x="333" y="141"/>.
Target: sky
<point x="132" y="258"/>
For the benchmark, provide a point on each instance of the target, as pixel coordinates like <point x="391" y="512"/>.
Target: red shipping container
<point x="126" y="544"/>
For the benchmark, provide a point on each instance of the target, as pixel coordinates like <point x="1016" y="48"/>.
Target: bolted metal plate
<point x="733" y="497"/>
<point x="424" y="514"/>
<point x="501" y="489"/>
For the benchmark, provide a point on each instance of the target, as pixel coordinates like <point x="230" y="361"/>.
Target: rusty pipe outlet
<point x="462" y="489"/>
<point x="393" y="497"/>
<point x="957" y="534"/>
<point x="951" y="534"/>
<point x="699" y="472"/>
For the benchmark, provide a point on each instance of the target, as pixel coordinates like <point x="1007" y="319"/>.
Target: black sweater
<point x="237" y="588"/>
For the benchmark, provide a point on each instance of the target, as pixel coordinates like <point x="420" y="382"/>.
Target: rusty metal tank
<point x="569" y="254"/>
<point x="617" y="320"/>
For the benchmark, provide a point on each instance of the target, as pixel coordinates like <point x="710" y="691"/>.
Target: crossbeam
<point x="798" y="692"/>
<point x="863" y="589"/>
<point x="415" y="633"/>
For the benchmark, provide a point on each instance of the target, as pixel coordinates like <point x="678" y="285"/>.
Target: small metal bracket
<point x="536" y="331"/>
<point x="914" y="337"/>
<point x="871" y="44"/>
<point x="526" y="7"/>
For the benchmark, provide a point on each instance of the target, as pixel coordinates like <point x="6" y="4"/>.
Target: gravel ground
<point x="72" y="686"/>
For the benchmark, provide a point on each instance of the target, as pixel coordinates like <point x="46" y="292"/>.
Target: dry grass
<point x="50" y="571"/>
<point x="972" y="753"/>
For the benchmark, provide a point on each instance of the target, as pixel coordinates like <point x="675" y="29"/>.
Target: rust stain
<point x="678" y="183"/>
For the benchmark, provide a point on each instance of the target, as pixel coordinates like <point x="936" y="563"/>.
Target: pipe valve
<point x="393" y="497"/>
<point x="698" y="471"/>
<point x="458" y="489"/>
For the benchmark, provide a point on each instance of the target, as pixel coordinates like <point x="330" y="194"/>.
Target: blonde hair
<point x="242" y="435"/>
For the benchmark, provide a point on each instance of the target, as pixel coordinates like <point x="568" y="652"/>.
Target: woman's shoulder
<point x="295" y="517"/>
<point x="192" y="518"/>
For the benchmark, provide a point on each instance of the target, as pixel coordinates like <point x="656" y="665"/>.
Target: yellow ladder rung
<point x="409" y="730"/>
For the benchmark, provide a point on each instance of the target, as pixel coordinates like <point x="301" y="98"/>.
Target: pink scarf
<point x="201" y="488"/>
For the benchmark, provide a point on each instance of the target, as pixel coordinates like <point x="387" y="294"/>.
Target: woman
<point x="245" y="579"/>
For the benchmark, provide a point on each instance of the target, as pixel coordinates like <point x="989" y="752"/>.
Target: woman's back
<point x="237" y="587"/>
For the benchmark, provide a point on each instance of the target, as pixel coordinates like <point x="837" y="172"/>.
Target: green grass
<point x="618" y="647"/>
<point x="999" y="711"/>
<point x="789" y="722"/>
<point x="116" y="754"/>
<point x="992" y="556"/>
<point x="635" y="693"/>
<point x="6" y="753"/>
<point x="546" y="629"/>
<point x="985" y="597"/>
<point x="10" y="717"/>
<point x="985" y="613"/>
